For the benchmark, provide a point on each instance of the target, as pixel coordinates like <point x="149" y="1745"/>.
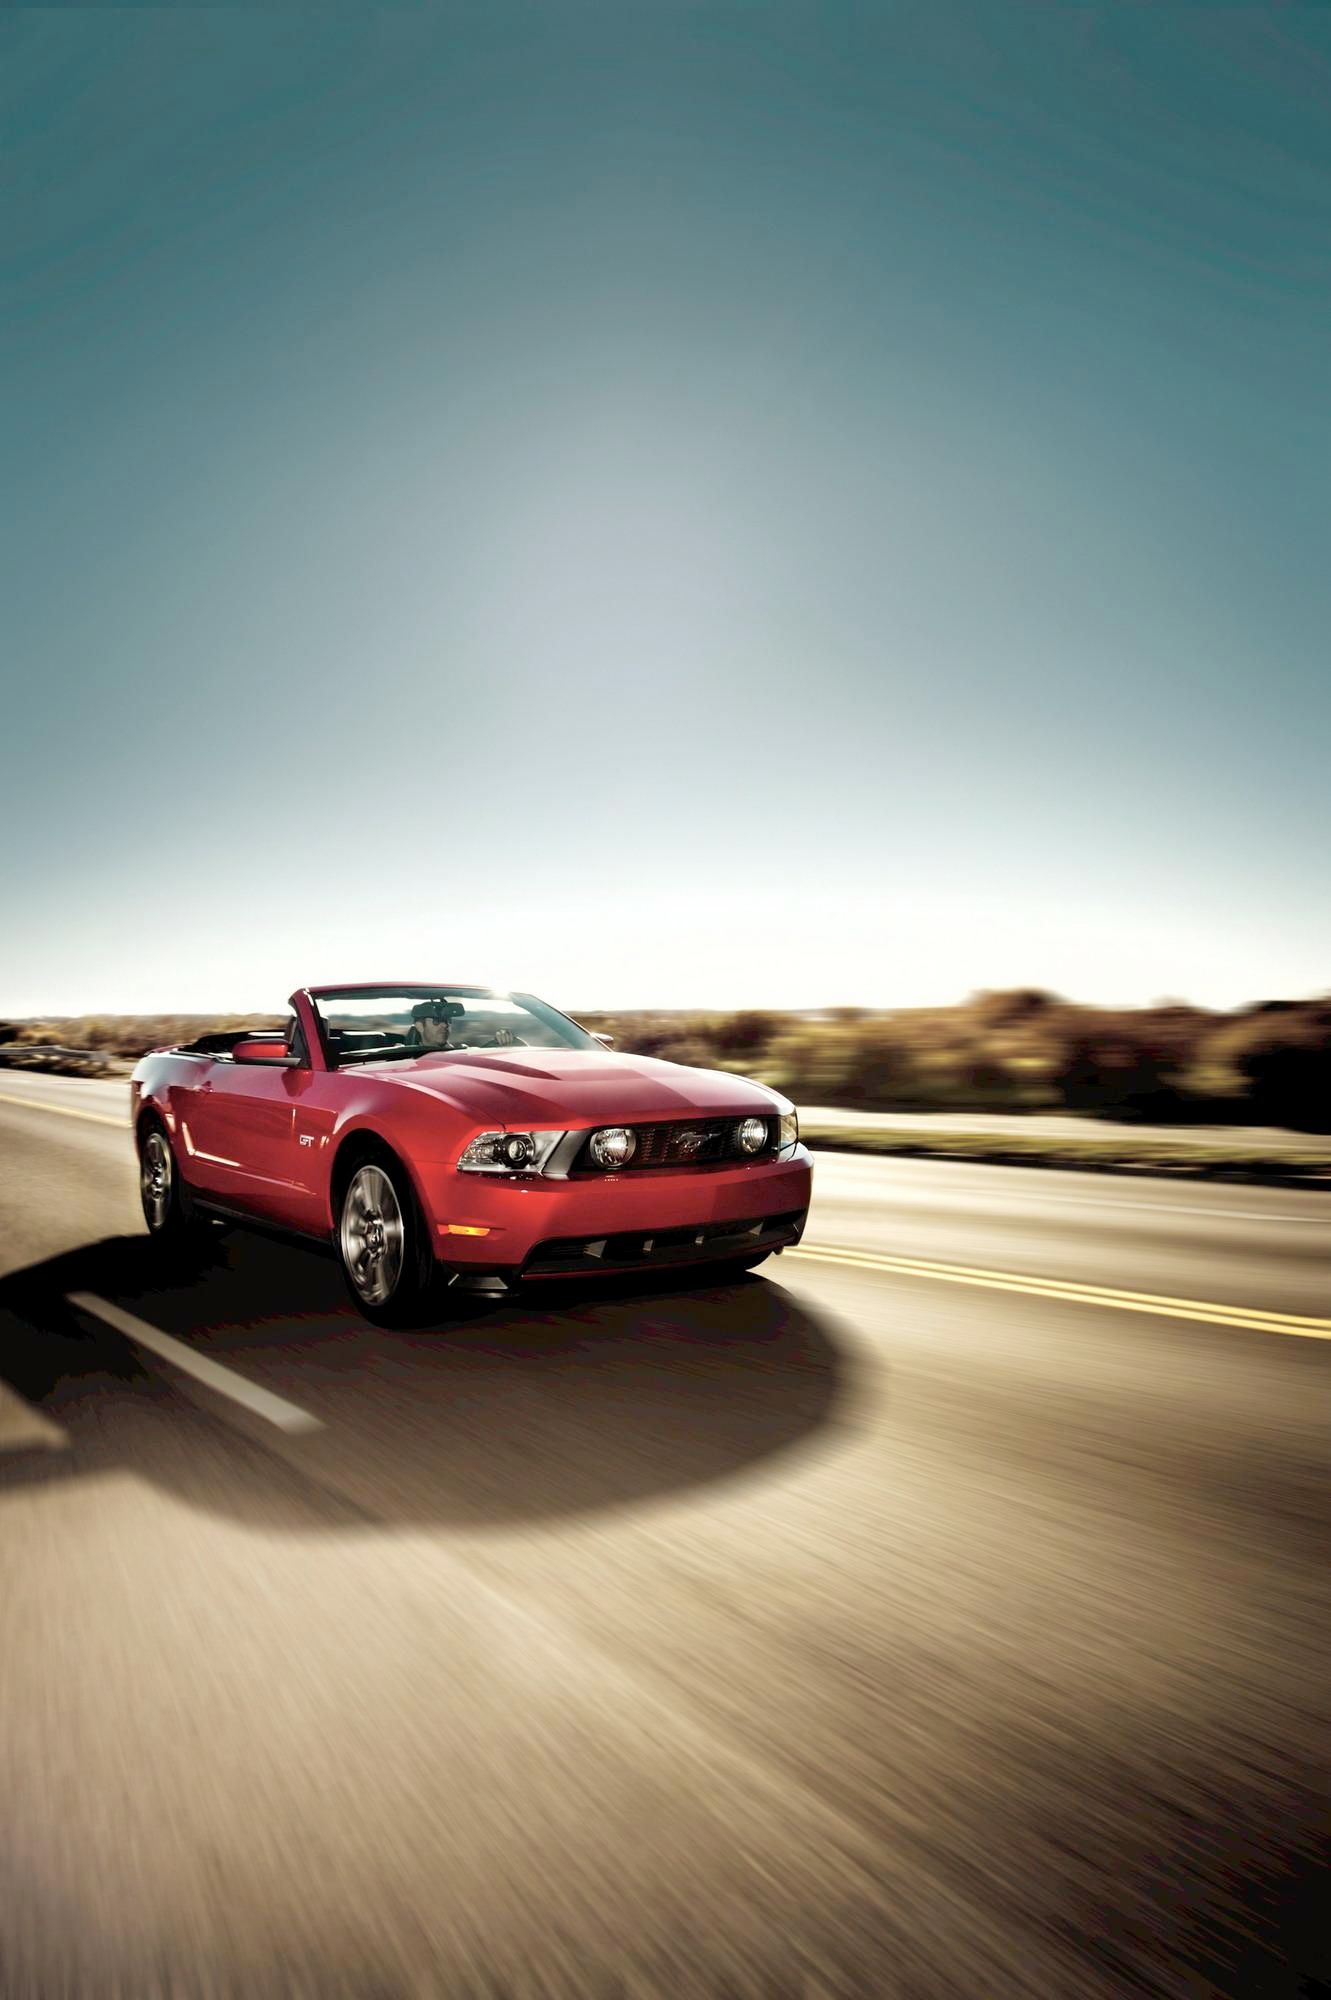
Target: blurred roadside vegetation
<point x="1018" y="1051"/>
<point x="1116" y="1149"/>
<point x="120" y="1039"/>
<point x="1022" y="1051"/>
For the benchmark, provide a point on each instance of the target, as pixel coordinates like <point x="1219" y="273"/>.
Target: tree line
<point x="1022" y="1050"/>
<point x="1025" y="1050"/>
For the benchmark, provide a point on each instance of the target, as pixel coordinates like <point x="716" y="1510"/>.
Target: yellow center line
<point x="1210" y="1311"/>
<point x="66" y="1110"/>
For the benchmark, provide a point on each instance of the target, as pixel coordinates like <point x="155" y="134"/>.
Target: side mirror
<point x="261" y="1049"/>
<point x="606" y="1041"/>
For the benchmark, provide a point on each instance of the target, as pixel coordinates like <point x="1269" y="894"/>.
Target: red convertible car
<point x="447" y="1132"/>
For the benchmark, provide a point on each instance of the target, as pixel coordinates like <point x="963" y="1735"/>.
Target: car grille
<point x="642" y="1250"/>
<point x="684" y="1142"/>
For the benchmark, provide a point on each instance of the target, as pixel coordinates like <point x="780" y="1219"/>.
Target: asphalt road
<point x="946" y="1613"/>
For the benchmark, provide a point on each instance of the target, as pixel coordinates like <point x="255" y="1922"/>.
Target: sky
<point x="667" y="505"/>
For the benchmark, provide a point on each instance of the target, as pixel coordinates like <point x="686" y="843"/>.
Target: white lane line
<point x="1171" y="1208"/>
<point x="275" y="1409"/>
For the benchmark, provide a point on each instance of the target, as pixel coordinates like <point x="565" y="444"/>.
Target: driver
<point x="430" y="1029"/>
<point x="429" y="1025"/>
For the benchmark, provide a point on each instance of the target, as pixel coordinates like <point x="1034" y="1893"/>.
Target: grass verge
<point x="1173" y="1158"/>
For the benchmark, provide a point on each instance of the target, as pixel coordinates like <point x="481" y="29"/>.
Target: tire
<point x="381" y="1243"/>
<point x="167" y="1208"/>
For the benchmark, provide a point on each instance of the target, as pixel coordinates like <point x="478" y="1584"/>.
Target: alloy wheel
<point x="373" y="1235"/>
<point x="155" y="1172"/>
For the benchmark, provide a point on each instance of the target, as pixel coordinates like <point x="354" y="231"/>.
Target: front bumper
<point x="543" y="1228"/>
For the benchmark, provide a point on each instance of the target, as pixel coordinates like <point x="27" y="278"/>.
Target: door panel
<point x="245" y="1140"/>
<point x="196" y="1123"/>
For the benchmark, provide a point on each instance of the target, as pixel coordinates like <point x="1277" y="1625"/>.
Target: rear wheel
<point x="166" y="1204"/>
<point x="382" y="1245"/>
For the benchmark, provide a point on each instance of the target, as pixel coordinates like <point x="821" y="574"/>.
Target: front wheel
<point x="382" y="1246"/>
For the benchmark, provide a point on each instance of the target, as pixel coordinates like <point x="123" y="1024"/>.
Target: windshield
<point x="378" y="1024"/>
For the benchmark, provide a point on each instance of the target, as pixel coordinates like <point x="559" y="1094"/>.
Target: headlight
<point x="787" y="1131"/>
<point x="508" y="1152"/>
<point x="751" y="1135"/>
<point x="614" y="1147"/>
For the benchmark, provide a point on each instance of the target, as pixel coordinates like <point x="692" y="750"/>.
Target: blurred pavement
<point x="847" y="1631"/>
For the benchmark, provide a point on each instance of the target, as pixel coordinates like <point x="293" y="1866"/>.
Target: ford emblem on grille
<point x="688" y="1145"/>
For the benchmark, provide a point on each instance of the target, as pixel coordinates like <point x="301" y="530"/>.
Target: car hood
<point x="560" y="1088"/>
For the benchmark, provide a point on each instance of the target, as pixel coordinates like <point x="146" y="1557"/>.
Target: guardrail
<point x="18" y="1053"/>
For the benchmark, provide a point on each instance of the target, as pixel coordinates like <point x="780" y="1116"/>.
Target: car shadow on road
<point x="503" y="1413"/>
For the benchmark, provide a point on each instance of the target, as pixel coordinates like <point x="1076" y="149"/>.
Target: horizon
<point x="825" y="1009"/>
